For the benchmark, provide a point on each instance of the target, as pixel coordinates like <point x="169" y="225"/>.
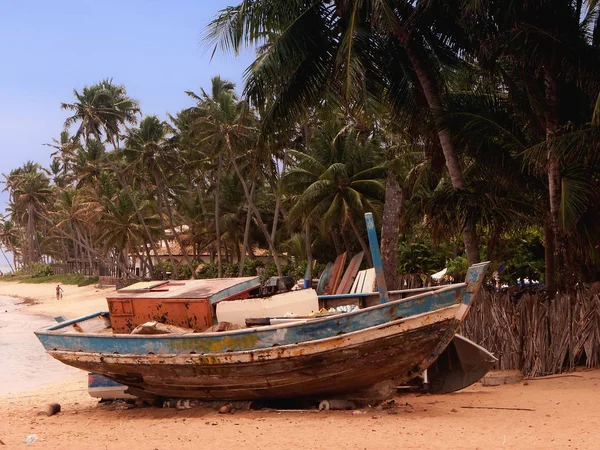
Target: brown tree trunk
<point x="362" y="242"/>
<point x="261" y="225"/>
<point x="218" y="217"/>
<point x="550" y="278"/>
<point x="309" y="257"/>
<point x="430" y="90"/>
<point x="392" y="209"/>
<point x="184" y="253"/>
<point x="242" y="259"/>
<point x="277" y="203"/>
<point x="164" y="234"/>
<point x="554" y="177"/>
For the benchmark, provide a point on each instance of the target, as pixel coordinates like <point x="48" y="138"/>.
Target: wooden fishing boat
<point x="367" y="350"/>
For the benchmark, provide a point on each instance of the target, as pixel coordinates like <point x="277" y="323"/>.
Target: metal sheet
<point x="212" y="289"/>
<point x="143" y="286"/>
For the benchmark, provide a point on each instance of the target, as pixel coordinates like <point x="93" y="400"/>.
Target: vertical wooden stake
<point x="376" y="256"/>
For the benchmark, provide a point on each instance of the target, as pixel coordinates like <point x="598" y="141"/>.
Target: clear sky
<point x="49" y="48"/>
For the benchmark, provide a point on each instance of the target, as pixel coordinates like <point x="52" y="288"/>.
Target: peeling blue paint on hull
<point x="391" y="342"/>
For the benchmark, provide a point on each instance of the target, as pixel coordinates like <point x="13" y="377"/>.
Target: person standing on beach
<point x="59" y="292"/>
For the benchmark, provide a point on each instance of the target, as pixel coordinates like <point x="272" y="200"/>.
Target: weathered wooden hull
<point x="381" y="345"/>
<point x="394" y="353"/>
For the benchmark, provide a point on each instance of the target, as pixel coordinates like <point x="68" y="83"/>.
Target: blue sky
<point x="49" y="48"/>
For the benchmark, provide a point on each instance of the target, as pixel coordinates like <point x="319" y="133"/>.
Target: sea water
<point x="24" y="364"/>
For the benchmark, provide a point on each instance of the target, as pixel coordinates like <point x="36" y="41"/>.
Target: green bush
<point x="41" y="270"/>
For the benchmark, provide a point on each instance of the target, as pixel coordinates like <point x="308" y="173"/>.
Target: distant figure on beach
<point x="59" y="292"/>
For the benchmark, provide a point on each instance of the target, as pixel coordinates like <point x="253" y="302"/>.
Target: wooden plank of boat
<point x="324" y="279"/>
<point x="389" y="354"/>
<point x="393" y="342"/>
<point x="336" y="273"/>
<point x="56" y="338"/>
<point x="350" y="274"/>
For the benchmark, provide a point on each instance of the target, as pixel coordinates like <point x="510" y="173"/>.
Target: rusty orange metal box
<point x="187" y="304"/>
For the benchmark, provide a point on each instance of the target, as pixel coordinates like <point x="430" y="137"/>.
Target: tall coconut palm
<point x="359" y="52"/>
<point x="337" y="183"/>
<point x="229" y="127"/>
<point x="30" y="193"/>
<point x="102" y="109"/>
<point x="147" y="151"/>
<point x="547" y="47"/>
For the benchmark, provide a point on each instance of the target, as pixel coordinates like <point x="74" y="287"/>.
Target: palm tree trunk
<point x="550" y="278"/>
<point x="452" y="161"/>
<point x="149" y="261"/>
<point x="554" y="177"/>
<point x="7" y="261"/>
<point x="277" y="202"/>
<point x="390" y="230"/>
<point x="362" y="242"/>
<point x="163" y="228"/>
<point x="186" y="258"/>
<point x="30" y="235"/>
<point x="140" y="217"/>
<point x="218" y="216"/>
<point x="242" y="259"/>
<point x="309" y="256"/>
<point x="259" y="221"/>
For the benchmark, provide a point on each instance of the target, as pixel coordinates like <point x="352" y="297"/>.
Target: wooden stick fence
<point x="535" y="335"/>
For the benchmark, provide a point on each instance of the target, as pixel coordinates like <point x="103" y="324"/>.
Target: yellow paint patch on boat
<point x="244" y="340"/>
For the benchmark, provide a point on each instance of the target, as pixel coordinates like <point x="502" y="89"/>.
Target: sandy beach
<point x="555" y="412"/>
<point x="41" y="298"/>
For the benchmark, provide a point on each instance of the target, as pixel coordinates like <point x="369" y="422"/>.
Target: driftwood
<point x="160" y="328"/>
<point x="497" y="407"/>
<point x="528" y="332"/>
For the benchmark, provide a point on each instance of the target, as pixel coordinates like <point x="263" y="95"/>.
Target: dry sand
<point x="41" y="298"/>
<point x="566" y="414"/>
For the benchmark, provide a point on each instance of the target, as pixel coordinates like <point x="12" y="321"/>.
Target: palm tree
<point x="147" y="150"/>
<point x="9" y="239"/>
<point x="30" y="192"/>
<point x="229" y="126"/>
<point x="104" y="108"/>
<point x="101" y="109"/>
<point x="220" y="89"/>
<point x="358" y="52"/>
<point x="546" y="50"/>
<point x="337" y="183"/>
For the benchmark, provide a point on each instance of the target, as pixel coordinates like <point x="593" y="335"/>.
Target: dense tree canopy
<point x="470" y="129"/>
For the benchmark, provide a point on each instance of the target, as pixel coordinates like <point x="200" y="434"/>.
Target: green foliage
<point x="253" y="268"/>
<point x="457" y="268"/>
<point x="73" y="279"/>
<point x="522" y="256"/>
<point x="41" y="270"/>
<point x="182" y="272"/>
<point x="420" y="256"/>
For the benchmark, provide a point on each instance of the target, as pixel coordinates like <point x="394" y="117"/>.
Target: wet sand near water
<point x="24" y="365"/>
<point x="25" y="308"/>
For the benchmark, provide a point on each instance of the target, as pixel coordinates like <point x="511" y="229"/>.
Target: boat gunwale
<point x="51" y="331"/>
<point x="284" y="347"/>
